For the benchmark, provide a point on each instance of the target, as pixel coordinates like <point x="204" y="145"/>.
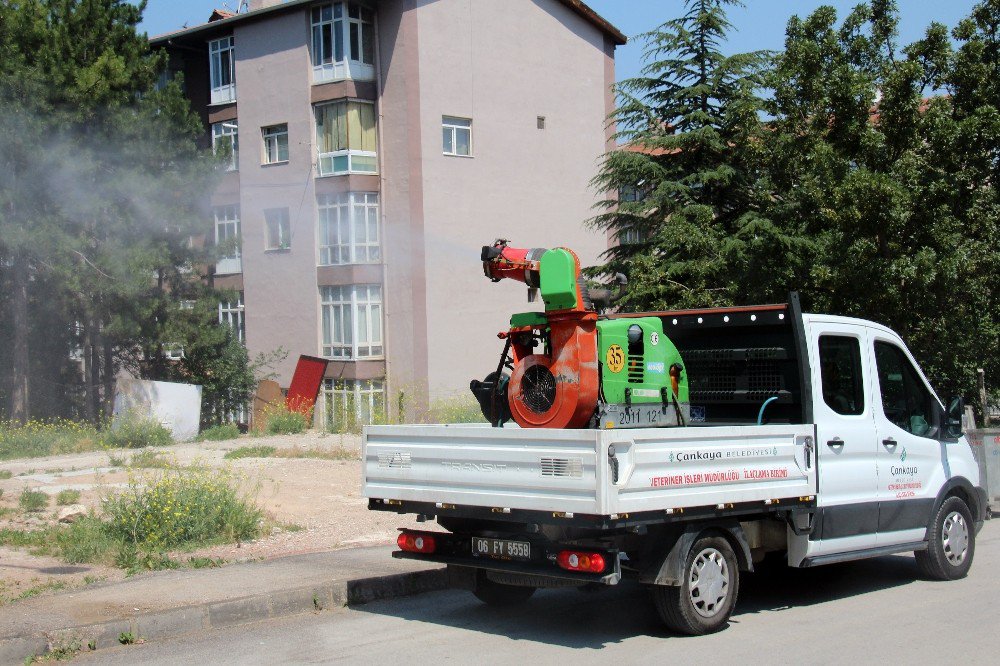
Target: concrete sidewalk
<point x="171" y="603"/>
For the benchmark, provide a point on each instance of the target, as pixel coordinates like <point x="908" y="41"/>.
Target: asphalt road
<point x="863" y="612"/>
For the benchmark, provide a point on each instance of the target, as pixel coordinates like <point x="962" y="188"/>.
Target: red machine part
<point x="521" y="264"/>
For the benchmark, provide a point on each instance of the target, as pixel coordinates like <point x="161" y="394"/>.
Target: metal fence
<point x="986" y="447"/>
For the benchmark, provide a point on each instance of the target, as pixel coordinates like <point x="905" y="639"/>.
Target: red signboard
<point x="305" y="384"/>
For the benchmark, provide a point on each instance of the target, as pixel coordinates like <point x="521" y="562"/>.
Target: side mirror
<point x="953" y="418"/>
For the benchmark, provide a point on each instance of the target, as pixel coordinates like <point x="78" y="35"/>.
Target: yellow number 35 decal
<point x="615" y="358"/>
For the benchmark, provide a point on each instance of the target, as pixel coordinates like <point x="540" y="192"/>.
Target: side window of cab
<point x="906" y="402"/>
<point x="840" y="371"/>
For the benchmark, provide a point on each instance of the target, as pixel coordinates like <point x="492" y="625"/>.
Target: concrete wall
<point x="273" y="86"/>
<point x="503" y="64"/>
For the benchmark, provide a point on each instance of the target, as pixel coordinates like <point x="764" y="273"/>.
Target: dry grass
<point x="331" y="453"/>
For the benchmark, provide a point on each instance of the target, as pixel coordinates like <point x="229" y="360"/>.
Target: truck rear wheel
<point x="707" y="595"/>
<point x="493" y="593"/>
<point x="951" y="543"/>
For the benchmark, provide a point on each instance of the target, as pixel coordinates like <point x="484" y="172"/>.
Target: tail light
<point x="416" y="542"/>
<point x="574" y="560"/>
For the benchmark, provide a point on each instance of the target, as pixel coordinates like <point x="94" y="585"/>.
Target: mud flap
<point x="670" y="569"/>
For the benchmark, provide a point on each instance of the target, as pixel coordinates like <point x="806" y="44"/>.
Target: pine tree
<point x="688" y="127"/>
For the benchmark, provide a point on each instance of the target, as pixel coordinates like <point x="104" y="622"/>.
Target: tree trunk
<point x="19" y="404"/>
<point x="89" y="371"/>
<point x="109" y="377"/>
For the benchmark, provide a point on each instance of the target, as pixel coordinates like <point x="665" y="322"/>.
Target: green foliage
<point x="32" y="500"/>
<point x="218" y="433"/>
<point x="5" y="474"/>
<point x="67" y="497"/>
<point x="250" y="452"/>
<point x="455" y="410"/>
<point x="283" y="421"/>
<point x="870" y="187"/>
<point x="132" y="431"/>
<point x="147" y="458"/>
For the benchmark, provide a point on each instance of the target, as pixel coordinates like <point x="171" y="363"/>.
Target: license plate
<point x="501" y="549"/>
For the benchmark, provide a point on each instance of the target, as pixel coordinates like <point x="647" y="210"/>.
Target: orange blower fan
<point x="554" y="381"/>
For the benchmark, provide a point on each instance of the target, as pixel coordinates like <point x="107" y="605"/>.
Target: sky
<point x="758" y="25"/>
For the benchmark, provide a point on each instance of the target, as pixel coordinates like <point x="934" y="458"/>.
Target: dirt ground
<point x="314" y="504"/>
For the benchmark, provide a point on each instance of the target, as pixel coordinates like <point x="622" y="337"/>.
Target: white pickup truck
<point x="813" y="436"/>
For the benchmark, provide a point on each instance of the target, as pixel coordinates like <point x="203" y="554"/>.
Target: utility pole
<point x="981" y="381"/>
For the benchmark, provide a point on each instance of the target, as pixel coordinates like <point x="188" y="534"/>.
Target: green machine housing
<point x="636" y="358"/>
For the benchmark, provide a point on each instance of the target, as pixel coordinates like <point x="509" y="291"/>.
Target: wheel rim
<point x="955" y="538"/>
<point x="708" y="584"/>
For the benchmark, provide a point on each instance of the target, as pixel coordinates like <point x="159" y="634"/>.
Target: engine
<point x="571" y="367"/>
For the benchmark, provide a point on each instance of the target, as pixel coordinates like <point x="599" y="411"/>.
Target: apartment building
<point x="375" y="147"/>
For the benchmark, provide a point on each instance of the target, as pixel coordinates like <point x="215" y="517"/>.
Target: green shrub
<point x="149" y="458"/>
<point x="250" y="452"/>
<point x="5" y="474"/>
<point x="33" y="500"/>
<point x="283" y="421"/>
<point x="218" y="433"/>
<point x="87" y="539"/>
<point x="67" y="497"/>
<point x="131" y="431"/>
<point x="36" y="439"/>
<point x="180" y="509"/>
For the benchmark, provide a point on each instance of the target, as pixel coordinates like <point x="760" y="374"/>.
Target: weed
<point x="291" y="527"/>
<point x="283" y="421"/>
<point x="23" y="538"/>
<point x="33" y="500"/>
<point x="147" y="458"/>
<point x="455" y="410"/>
<point x="218" y="433"/>
<point x="206" y="562"/>
<point x="35" y="590"/>
<point x="316" y="603"/>
<point x="126" y="638"/>
<point x="250" y="452"/>
<point x="36" y="439"/>
<point x="116" y="461"/>
<point x="86" y="540"/>
<point x="5" y="474"/>
<point x="67" y="497"/>
<point x="132" y="431"/>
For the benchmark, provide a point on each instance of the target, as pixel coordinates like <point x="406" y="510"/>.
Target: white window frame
<point x="336" y="22"/>
<point x="227" y="129"/>
<point x="173" y="351"/>
<point x="231" y="314"/>
<point x="367" y="396"/>
<point x="325" y="161"/>
<point x="274" y="138"/>
<point x="351" y="326"/>
<point x="227" y="225"/>
<point x="349" y="229"/>
<point x="220" y="50"/>
<point x="451" y="126"/>
<point x="277" y="229"/>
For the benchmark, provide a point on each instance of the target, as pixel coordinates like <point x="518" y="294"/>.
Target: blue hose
<point x="760" y="415"/>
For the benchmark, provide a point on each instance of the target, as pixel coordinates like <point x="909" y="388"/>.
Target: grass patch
<point x="218" y="433"/>
<point x="67" y="497"/>
<point x="332" y="453"/>
<point x="205" y="562"/>
<point x="131" y="431"/>
<point x="250" y="452"/>
<point x="455" y="410"/>
<point x="32" y="500"/>
<point x="35" y="439"/>
<point x="149" y="459"/>
<point x="5" y="474"/>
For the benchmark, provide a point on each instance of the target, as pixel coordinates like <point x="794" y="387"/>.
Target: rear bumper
<point x="551" y="571"/>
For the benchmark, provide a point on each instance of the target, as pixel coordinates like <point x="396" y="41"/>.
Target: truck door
<point x="911" y="457"/>
<point x="846" y="446"/>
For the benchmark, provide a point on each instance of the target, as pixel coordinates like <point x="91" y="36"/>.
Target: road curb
<point x="218" y="614"/>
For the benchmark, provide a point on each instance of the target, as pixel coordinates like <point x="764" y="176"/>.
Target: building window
<point x="275" y="143"/>
<point x="352" y="321"/>
<point x="353" y="402"/>
<point x="279" y="229"/>
<point x="631" y="235"/>
<point x="343" y="42"/>
<point x="345" y="138"/>
<point x="223" y="70"/>
<point x="227" y="238"/>
<point x="231" y="315"/>
<point x="348" y="229"/>
<point x="173" y="351"/>
<point x="457" y="135"/>
<point x="226" y="141"/>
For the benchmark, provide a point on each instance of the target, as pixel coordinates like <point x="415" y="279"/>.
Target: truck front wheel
<point x="951" y="542"/>
<point x="707" y="595"/>
<point x="493" y="593"/>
